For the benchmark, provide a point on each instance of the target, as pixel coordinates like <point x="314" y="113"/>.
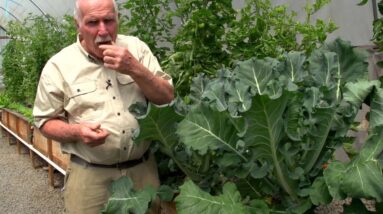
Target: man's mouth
<point x="103" y="40"/>
<point x="104" y="43"/>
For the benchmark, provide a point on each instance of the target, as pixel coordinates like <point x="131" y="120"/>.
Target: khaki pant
<point x="86" y="188"/>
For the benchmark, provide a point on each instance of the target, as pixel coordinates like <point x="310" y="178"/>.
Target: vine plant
<point x="204" y="36"/>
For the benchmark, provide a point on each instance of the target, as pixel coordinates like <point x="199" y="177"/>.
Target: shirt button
<point x="118" y="114"/>
<point x="125" y="148"/>
<point x="114" y="97"/>
<point x="78" y="90"/>
<point x="123" y="132"/>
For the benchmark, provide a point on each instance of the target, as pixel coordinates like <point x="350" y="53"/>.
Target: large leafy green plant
<point x="32" y="43"/>
<point x="206" y="36"/>
<point x="269" y="127"/>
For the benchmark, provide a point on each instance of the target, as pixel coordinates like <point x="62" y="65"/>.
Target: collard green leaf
<point x="159" y="124"/>
<point x="293" y="66"/>
<point x="259" y="207"/>
<point x="197" y="88"/>
<point x="257" y="73"/>
<point x="125" y="200"/>
<point x="319" y="193"/>
<point x="356" y="92"/>
<point x="293" y="126"/>
<point x="239" y="97"/>
<point x="318" y="133"/>
<point x="333" y="176"/>
<point x="362" y="177"/>
<point x="203" y="129"/>
<point x="324" y="67"/>
<point x="265" y="130"/>
<point x="193" y="200"/>
<point x="376" y="112"/>
<point x="353" y="64"/>
<point x="215" y="91"/>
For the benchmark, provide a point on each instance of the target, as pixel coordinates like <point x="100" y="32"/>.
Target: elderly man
<point x="83" y="101"/>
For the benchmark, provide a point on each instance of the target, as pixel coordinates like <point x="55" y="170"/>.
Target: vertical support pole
<point x="50" y="167"/>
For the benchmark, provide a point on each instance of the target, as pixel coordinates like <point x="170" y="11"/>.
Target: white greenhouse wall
<point x="354" y="22"/>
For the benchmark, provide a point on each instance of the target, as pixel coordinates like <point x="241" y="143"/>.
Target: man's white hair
<point x="77" y="12"/>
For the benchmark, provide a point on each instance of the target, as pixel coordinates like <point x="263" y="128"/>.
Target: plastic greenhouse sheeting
<point x="20" y="9"/>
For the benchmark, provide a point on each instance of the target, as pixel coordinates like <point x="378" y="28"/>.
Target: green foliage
<point x="8" y="102"/>
<point x="194" y="200"/>
<point x="377" y="28"/>
<point x="205" y="36"/>
<point x="33" y="42"/>
<point x="125" y="200"/>
<point x="148" y="21"/>
<point x="269" y="125"/>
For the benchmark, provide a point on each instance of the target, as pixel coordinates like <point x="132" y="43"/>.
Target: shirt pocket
<point x="85" y="101"/>
<point x="129" y="90"/>
<point x="124" y="79"/>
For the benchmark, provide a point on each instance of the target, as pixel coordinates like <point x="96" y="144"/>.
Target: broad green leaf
<point x="376" y="113"/>
<point x="215" y="91"/>
<point x="333" y="176"/>
<point x="259" y="207"/>
<point x="319" y="193"/>
<point x="353" y="64"/>
<point x="204" y="129"/>
<point x="125" y="200"/>
<point x="356" y="92"/>
<point x="193" y="200"/>
<point x="239" y="97"/>
<point x="160" y="125"/>
<point x="292" y="66"/>
<point x="362" y="177"/>
<point x="197" y="88"/>
<point x="317" y="136"/>
<point x="323" y="68"/>
<point x="166" y="193"/>
<point x="265" y="130"/>
<point x="294" y="123"/>
<point x="256" y="73"/>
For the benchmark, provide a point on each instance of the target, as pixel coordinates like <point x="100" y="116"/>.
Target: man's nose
<point x="102" y="29"/>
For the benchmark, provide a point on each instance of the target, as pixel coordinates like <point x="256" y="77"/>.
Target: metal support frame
<point x="10" y="13"/>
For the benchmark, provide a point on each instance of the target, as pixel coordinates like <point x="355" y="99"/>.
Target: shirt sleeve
<point x="150" y="61"/>
<point x="49" y="97"/>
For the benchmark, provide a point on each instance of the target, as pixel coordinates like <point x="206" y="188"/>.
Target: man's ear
<point x="76" y="23"/>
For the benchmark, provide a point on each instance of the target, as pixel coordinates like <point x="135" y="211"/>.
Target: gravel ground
<point x="23" y="189"/>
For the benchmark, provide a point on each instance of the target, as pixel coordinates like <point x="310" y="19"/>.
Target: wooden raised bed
<point x="16" y="128"/>
<point x="19" y="125"/>
<point x="50" y="148"/>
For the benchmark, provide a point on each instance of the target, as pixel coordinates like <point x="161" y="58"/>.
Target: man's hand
<point x="92" y="134"/>
<point x="119" y="58"/>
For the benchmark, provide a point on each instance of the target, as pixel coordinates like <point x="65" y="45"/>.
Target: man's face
<point x="97" y="25"/>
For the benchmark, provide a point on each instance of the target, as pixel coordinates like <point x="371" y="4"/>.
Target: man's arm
<point x="156" y="89"/>
<point x="89" y="133"/>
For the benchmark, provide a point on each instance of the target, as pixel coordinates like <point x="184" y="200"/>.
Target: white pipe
<point x="30" y="146"/>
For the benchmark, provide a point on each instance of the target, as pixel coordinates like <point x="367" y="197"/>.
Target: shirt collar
<point x="91" y="58"/>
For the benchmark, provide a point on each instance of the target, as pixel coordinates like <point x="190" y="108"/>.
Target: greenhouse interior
<point x="191" y="106"/>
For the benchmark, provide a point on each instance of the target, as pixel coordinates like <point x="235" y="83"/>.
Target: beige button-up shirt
<point x="77" y="88"/>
